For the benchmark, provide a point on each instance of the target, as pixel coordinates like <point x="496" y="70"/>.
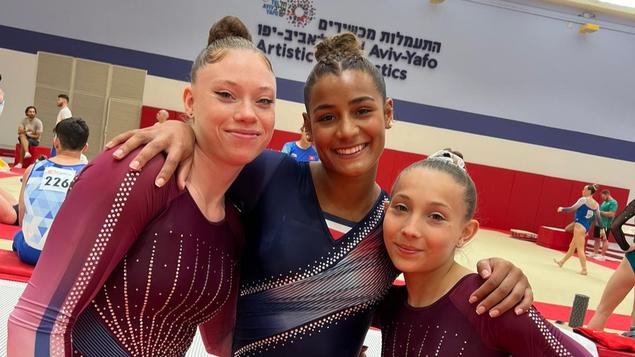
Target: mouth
<point x="405" y="249"/>
<point x="244" y="133"/>
<point x="351" y="150"/>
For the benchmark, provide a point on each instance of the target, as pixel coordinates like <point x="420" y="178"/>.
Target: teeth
<point x="351" y="150"/>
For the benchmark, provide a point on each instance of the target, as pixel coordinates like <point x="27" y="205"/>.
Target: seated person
<point x="8" y="208"/>
<point x="29" y="133"/>
<point x="44" y="187"/>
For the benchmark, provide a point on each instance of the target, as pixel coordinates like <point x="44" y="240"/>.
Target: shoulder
<point x="105" y="164"/>
<point x="391" y="304"/>
<point x="269" y="162"/>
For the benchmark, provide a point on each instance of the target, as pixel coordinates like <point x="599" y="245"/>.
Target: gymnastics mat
<point x="11" y="268"/>
<point x="7" y="231"/>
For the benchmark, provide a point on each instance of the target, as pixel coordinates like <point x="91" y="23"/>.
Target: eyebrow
<point x="432" y="203"/>
<point x="353" y="101"/>
<point x="235" y="84"/>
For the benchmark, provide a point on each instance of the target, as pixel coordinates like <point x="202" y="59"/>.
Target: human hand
<point x="505" y="287"/>
<point x="174" y="137"/>
<point x="559" y="209"/>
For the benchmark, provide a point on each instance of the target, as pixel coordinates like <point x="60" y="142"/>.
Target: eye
<point x="400" y="207"/>
<point x="363" y="111"/>
<point x="326" y="117"/>
<point x="265" y="101"/>
<point x="437" y="216"/>
<point x="224" y="94"/>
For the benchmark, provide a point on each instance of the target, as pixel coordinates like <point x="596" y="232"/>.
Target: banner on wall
<point x="292" y="28"/>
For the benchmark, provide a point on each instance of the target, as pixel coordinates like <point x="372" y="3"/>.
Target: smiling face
<point x="232" y="102"/>
<point x="347" y="122"/>
<point x="426" y="221"/>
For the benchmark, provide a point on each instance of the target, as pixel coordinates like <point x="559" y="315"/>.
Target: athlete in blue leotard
<point x="586" y="208"/>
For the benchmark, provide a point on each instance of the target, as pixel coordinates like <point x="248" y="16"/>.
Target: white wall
<point x="498" y="58"/>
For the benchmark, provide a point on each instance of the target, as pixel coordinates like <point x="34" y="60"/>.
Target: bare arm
<point x="173" y="137"/>
<point x="505" y="287"/>
<point x="21" y="208"/>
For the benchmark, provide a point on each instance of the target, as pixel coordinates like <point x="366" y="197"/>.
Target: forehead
<point x="424" y="179"/>
<point x="345" y="86"/>
<point x="241" y="64"/>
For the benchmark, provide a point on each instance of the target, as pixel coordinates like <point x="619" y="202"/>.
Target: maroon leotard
<point x="450" y="327"/>
<point x="129" y="269"/>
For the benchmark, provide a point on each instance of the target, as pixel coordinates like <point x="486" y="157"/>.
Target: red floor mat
<point x="559" y="312"/>
<point x="11" y="268"/>
<point x="7" y="231"/>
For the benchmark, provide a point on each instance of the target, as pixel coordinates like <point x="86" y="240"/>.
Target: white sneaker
<point x="600" y="258"/>
<point x="27" y="155"/>
<point x="18" y="165"/>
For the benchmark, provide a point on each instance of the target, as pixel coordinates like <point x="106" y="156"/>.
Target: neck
<point x="344" y="196"/>
<point x="425" y="288"/>
<point x="303" y="143"/>
<point x="65" y="157"/>
<point x="208" y="182"/>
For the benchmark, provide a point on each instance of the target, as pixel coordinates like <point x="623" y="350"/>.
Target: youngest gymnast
<point x="429" y="216"/>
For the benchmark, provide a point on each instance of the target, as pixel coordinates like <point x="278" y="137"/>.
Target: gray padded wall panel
<point x="122" y="116"/>
<point x="91" y="108"/>
<point x="91" y="77"/>
<point x="127" y="83"/>
<point x="54" y="71"/>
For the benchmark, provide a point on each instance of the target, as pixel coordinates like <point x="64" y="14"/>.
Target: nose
<point x="246" y="112"/>
<point x="411" y="229"/>
<point x="347" y="128"/>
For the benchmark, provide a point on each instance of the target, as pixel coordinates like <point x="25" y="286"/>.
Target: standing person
<point x="29" y="133"/>
<point x="64" y="113"/>
<point x="314" y="264"/>
<point x="44" y="187"/>
<point x="586" y="208"/>
<point x="301" y="150"/>
<point x="608" y="207"/>
<point x="430" y="216"/>
<point x="623" y="279"/>
<point x="162" y="116"/>
<point x="132" y="269"/>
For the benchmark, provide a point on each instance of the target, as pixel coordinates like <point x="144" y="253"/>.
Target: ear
<point x="307" y="127"/>
<point x="470" y="229"/>
<point x="56" y="143"/>
<point x="388" y="113"/>
<point x="188" y="101"/>
<point x="85" y="148"/>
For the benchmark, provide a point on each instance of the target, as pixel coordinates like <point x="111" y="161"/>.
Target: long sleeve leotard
<point x="129" y="269"/>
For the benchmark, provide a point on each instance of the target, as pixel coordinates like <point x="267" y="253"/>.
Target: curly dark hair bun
<point x="343" y="45"/>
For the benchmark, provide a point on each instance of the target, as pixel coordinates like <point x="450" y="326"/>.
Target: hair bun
<point x="228" y="26"/>
<point x="339" y="46"/>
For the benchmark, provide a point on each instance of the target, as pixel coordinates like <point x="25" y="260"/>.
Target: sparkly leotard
<point x="303" y="291"/>
<point x="129" y="269"/>
<point x="449" y="327"/>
